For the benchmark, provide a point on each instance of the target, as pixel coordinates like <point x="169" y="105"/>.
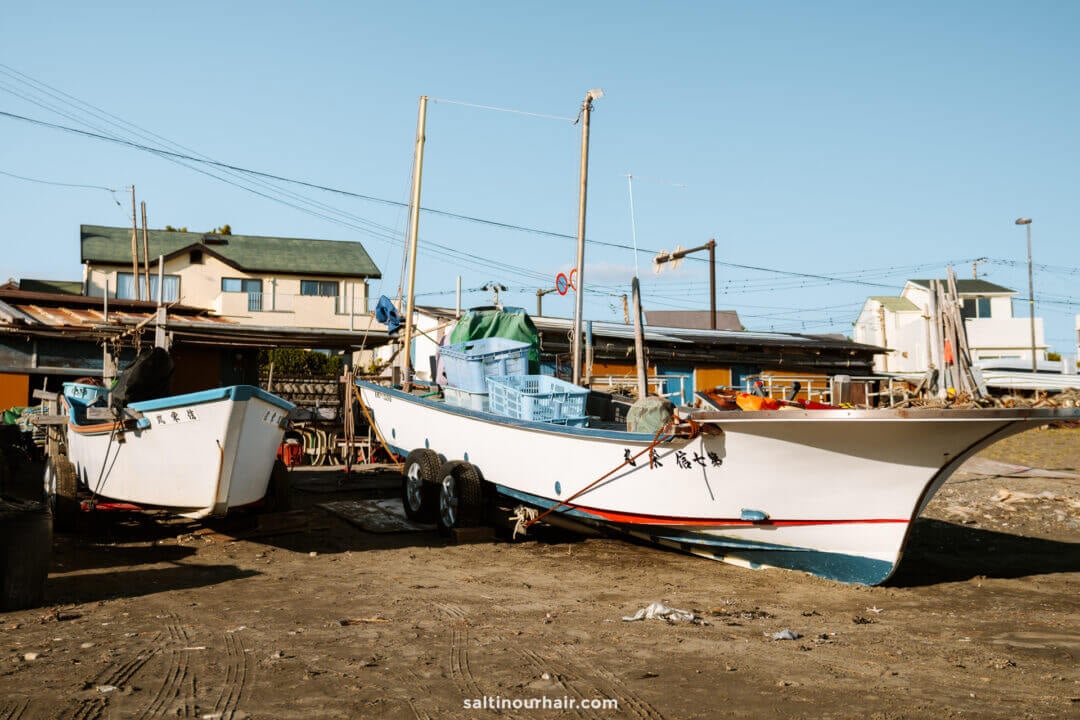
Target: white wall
<point x="282" y="304"/>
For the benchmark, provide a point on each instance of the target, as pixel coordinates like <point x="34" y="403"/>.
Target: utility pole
<point x="586" y="111"/>
<point x="1026" y="222"/>
<point x="495" y="288"/>
<point x="884" y="341"/>
<point x="539" y="304"/>
<point x="134" y="250"/>
<point x="674" y="257"/>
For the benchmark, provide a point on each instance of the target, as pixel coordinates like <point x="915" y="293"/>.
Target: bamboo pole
<point x="414" y="230"/>
<point x="145" y="252"/>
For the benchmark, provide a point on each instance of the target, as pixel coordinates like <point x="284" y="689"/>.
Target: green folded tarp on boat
<point x="510" y="323"/>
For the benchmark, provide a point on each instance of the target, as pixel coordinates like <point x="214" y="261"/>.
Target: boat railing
<point x="877" y="389"/>
<point x="656" y="384"/>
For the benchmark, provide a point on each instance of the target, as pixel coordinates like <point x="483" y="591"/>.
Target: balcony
<point x="1003" y="333"/>
<point x="290" y="310"/>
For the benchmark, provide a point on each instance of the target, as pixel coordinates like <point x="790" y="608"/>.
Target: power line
<point x="59" y="184"/>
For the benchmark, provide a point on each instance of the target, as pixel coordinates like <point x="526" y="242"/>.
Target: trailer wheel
<point x="419" y="485"/>
<point x="278" y="490"/>
<point x="62" y="492"/>
<point x="461" y="501"/>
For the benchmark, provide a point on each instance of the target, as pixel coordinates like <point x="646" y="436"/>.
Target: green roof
<point x="968" y="287"/>
<point x="895" y="304"/>
<point x="250" y="253"/>
<point x="66" y="287"/>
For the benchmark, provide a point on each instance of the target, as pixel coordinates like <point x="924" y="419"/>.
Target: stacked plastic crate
<point x="538" y="397"/>
<point x="469" y="364"/>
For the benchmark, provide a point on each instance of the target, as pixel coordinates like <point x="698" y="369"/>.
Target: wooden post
<point x="639" y="341"/>
<point x="145" y="252"/>
<point x="586" y="111"/>
<point x="884" y="340"/>
<point x="712" y="282"/>
<point x="134" y="250"/>
<point x="414" y="231"/>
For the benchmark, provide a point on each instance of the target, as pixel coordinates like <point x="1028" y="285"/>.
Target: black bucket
<point x="25" y="551"/>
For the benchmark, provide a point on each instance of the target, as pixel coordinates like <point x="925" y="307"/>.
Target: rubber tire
<point x="421" y="471"/>
<point x="64" y="498"/>
<point x="461" y="499"/>
<point x="278" y="496"/>
<point x="25" y="551"/>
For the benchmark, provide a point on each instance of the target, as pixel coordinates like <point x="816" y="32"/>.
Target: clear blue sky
<point x="864" y="143"/>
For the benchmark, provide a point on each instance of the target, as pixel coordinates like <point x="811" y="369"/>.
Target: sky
<point x="833" y="149"/>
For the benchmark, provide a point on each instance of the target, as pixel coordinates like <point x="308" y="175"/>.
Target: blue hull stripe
<point x="236" y="393"/>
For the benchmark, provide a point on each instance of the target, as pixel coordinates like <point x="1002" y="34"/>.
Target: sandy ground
<point x="308" y="616"/>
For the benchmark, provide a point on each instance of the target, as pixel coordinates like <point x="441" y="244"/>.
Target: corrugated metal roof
<point x="251" y="253"/>
<point x="969" y="287"/>
<point x="684" y="336"/>
<point x="896" y="304"/>
<point x="83" y="317"/>
<point x="694" y="319"/>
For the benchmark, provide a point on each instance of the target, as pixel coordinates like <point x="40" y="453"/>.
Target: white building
<point x="902" y="324"/>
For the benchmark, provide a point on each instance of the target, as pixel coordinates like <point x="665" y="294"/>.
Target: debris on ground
<point x="784" y="634"/>
<point x="659" y="611"/>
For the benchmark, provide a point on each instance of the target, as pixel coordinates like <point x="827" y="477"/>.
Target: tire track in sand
<point x="236" y="677"/>
<point x="559" y="677"/>
<point x="168" y="695"/>
<point x="12" y="709"/>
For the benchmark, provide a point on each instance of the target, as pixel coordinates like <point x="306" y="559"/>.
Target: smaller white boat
<point x="199" y="454"/>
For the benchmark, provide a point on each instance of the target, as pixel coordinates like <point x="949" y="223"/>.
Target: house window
<point x="321" y="288"/>
<point x="976" y="308"/>
<point x="253" y="288"/>
<point x="125" y="288"/>
<point x="195" y="257"/>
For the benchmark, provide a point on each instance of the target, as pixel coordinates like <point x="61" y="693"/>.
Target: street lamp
<point x="1031" y="290"/>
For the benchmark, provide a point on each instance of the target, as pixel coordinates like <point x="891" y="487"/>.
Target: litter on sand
<point x="659" y="611"/>
<point x="784" y="634"/>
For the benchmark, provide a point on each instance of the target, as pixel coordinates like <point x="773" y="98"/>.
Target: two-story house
<point x="903" y="324"/>
<point x="266" y="281"/>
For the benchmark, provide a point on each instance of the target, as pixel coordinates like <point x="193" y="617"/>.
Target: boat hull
<point x="831" y="492"/>
<point x="196" y="455"/>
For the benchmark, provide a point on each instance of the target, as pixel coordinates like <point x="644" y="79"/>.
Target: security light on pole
<point x="1026" y="222"/>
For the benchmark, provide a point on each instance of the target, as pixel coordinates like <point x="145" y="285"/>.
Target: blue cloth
<point x="387" y="314"/>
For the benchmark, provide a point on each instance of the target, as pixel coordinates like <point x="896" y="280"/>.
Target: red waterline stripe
<point x="719" y="522"/>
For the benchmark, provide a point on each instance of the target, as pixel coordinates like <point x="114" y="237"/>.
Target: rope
<point x="372" y="425"/>
<point x="695" y="430"/>
<point x="628" y="461"/>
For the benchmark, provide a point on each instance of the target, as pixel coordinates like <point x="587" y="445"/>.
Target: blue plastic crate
<point x="537" y="397"/>
<point x="85" y="395"/>
<point x="468" y="364"/>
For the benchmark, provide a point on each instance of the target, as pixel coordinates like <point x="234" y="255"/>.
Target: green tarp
<point x="509" y="323"/>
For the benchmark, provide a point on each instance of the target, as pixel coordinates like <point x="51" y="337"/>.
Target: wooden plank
<point x="44" y="420"/>
<point x="44" y="395"/>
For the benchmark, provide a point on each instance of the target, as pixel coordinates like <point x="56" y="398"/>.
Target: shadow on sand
<point x="945" y="552"/>
<point x="84" y="588"/>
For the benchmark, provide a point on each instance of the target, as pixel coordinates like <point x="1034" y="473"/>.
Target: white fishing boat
<point x="197" y="454"/>
<point x="832" y="492"/>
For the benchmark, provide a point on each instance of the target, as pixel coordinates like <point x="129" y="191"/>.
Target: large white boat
<point x="197" y="454"/>
<point x="830" y="492"/>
